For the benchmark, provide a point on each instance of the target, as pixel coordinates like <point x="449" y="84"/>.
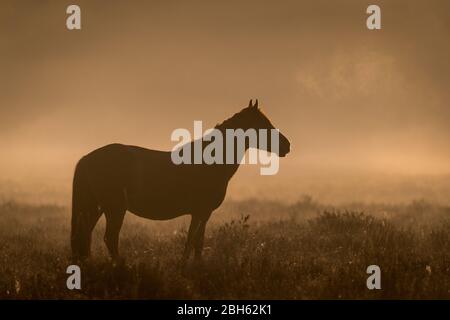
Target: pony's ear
<point x="251" y="105"/>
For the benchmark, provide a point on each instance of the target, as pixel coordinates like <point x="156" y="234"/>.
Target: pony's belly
<point x="157" y="214"/>
<point x="165" y="203"/>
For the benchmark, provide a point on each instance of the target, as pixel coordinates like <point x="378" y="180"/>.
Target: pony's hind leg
<point x="114" y="221"/>
<point x="91" y="220"/>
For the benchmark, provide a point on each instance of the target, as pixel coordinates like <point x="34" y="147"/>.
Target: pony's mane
<point x="234" y="120"/>
<point x="231" y="121"/>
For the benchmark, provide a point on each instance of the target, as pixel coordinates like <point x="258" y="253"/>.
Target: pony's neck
<point x="234" y="123"/>
<point x="224" y="169"/>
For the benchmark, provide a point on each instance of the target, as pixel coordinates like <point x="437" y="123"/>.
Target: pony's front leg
<point x="195" y="221"/>
<point x="199" y="241"/>
<point x="196" y="235"/>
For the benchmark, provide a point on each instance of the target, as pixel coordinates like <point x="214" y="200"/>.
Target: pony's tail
<point x="83" y="206"/>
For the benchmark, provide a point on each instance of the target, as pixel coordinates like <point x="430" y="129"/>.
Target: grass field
<point x="253" y="250"/>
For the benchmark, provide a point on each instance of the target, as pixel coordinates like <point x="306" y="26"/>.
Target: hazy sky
<point x="348" y="98"/>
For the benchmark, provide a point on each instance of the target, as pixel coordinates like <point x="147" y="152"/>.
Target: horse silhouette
<point x="118" y="178"/>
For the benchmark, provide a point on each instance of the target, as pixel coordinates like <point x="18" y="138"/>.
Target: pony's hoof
<point x="198" y="261"/>
<point x="183" y="266"/>
<point x="79" y="260"/>
<point x="117" y="262"/>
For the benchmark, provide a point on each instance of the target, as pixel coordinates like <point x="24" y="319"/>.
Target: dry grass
<point x="294" y="254"/>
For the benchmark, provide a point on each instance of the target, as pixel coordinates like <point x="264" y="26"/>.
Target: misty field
<point x="253" y="250"/>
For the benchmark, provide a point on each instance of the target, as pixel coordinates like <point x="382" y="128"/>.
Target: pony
<point x="118" y="178"/>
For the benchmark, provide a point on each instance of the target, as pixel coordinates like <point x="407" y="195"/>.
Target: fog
<point x="367" y="112"/>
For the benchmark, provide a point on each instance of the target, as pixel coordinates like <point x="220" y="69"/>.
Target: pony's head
<point x="252" y="117"/>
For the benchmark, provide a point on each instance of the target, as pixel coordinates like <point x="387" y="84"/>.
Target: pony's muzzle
<point x="285" y="146"/>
